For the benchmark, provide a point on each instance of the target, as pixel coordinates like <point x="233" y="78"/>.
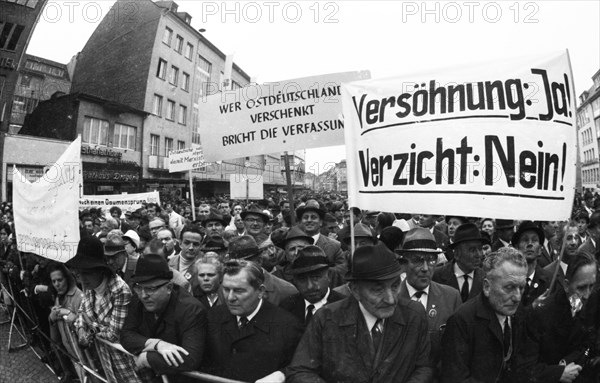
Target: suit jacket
<point x="539" y="285"/>
<point x="545" y="258"/>
<point x="296" y="306"/>
<point x="191" y="275"/>
<point x="560" y="278"/>
<point x="337" y="347"/>
<point x="555" y="335"/>
<point x="442" y="302"/>
<point x="473" y="346"/>
<point x="265" y="345"/>
<point x="445" y="275"/>
<point x="441" y="239"/>
<point x="588" y="249"/>
<point x="333" y="252"/>
<point x="497" y="244"/>
<point x="183" y="323"/>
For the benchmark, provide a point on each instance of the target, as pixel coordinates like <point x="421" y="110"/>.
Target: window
<point x="203" y="71"/>
<point x="9" y="35"/>
<point x="157" y="106"/>
<point x="95" y="131"/>
<point x="235" y="85"/>
<point x="170" y="110"/>
<point x="180" y="145"/>
<point x="168" y="145"/>
<point x="178" y="44"/>
<point x="174" y="75"/>
<point x="167" y="36"/>
<point x="27" y="3"/>
<point x="182" y="114"/>
<point x="189" y="51"/>
<point x="154" y="144"/>
<point x="161" y="71"/>
<point x="24" y="104"/>
<point x="185" y="82"/>
<point x="124" y="136"/>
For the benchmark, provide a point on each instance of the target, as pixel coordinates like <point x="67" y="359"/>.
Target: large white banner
<point x="283" y="116"/>
<point x="123" y="201"/>
<point x="494" y="140"/>
<point x="46" y="214"/>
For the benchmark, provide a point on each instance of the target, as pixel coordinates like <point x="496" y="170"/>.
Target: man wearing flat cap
<point x="311" y="217"/>
<point x="276" y="289"/>
<point x="166" y="326"/>
<point x="310" y="275"/>
<point x="420" y="252"/>
<point x="371" y="336"/>
<point x="529" y="239"/>
<point x="464" y="272"/>
<point x="117" y="259"/>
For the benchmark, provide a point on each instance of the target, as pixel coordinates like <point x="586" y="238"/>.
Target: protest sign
<point x="123" y="201"/>
<point x="45" y="211"/>
<point x="246" y="187"/>
<point x="186" y="159"/>
<point x="493" y="140"/>
<point x="275" y="117"/>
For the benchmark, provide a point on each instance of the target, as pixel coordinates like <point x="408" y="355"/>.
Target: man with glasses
<point x="420" y="251"/>
<point x="155" y="225"/>
<point x="166" y="326"/>
<point x="464" y="272"/>
<point x="254" y="221"/>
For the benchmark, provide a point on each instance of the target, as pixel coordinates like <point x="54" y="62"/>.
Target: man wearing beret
<point x="310" y="276"/>
<point x="166" y="326"/>
<point x="371" y="336"/>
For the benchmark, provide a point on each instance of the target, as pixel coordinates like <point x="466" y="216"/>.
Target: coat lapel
<point x="393" y="334"/>
<point x="357" y="337"/>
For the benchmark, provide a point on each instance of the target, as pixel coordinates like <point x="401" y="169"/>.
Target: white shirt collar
<point x="412" y="291"/>
<point x="501" y="319"/>
<point x="316" y="237"/>
<point x="530" y="277"/>
<point x="459" y="273"/>
<point x="318" y="304"/>
<point x="564" y="266"/>
<point x="504" y="242"/>
<point x="250" y="316"/>
<point x="370" y="319"/>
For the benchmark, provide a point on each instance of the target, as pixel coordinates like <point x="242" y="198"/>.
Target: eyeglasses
<point x="418" y="259"/>
<point x="148" y="290"/>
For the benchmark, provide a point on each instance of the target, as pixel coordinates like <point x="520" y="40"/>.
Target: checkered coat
<point x="113" y="306"/>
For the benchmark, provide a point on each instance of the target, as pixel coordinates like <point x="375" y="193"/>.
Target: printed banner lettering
<point x="494" y="140"/>
<point x="123" y="201"/>
<point x="274" y="117"/>
<point x="46" y="216"/>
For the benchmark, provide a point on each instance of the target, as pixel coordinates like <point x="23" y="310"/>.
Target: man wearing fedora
<point x="214" y="224"/>
<point x="484" y="335"/>
<point x="528" y="239"/>
<point x="464" y="273"/>
<point x="505" y="228"/>
<point x="311" y="217"/>
<point x="363" y="236"/>
<point x="276" y="289"/>
<point x="371" y="336"/>
<point x="254" y="221"/>
<point x="420" y="252"/>
<point x="248" y="337"/>
<point x="166" y="326"/>
<point x="310" y="275"/>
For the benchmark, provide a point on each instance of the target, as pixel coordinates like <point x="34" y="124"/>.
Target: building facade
<point x="588" y="135"/>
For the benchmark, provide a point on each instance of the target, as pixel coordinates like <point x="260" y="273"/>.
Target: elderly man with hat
<point x="214" y="224"/>
<point x="371" y="336"/>
<point x="528" y="239"/>
<point x="248" y="337"/>
<point x="420" y="252"/>
<point x="363" y="236"/>
<point x="464" y="272"/>
<point x="118" y="260"/>
<point x="254" y="221"/>
<point x="311" y="217"/>
<point x="505" y="228"/>
<point x="166" y="326"/>
<point x="310" y="275"/>
<point x="105" y="306"/>
<point x="276" y="289"/>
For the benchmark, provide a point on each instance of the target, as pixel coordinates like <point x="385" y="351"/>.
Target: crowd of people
<point x="278" y="292"/>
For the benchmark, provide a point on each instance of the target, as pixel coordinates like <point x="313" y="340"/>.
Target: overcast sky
<point x="273" y="40"/>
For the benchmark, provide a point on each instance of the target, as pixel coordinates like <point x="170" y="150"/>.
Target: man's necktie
<point x="309" y="313"/>
<point x="526" y="291"/>
<point x="243" y="322"/>
<point x="376" y="335"/>
<point x="507" y="339"/>
<point x="464" y="291"/>
<point x="417" y="296"/>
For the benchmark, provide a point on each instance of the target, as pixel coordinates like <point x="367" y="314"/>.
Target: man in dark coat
<point x="310" y="276"/>
<point x="464" y="273"/>
<point x="528" y="239"/>
<point x="591" y="245"/>
<point x="482" y="337"/>
<point x="166" y="326"/>
<point x="248" y="337"/>
<point x="371" y="336"/>
<point x="505" y="228"/>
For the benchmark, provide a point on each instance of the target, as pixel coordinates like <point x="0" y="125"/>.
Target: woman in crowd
<point x="104" y="307"/>
<point x="68" y="299"/>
